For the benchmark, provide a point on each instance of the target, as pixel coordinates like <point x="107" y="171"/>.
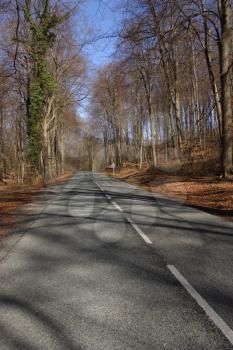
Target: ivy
<point x="43" y="83"/>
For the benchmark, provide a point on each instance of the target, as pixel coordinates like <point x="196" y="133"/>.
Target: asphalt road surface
<point x="106" y="265"/>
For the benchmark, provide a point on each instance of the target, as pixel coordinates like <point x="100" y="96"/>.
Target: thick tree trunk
<point x="47" y="155"/>
<point x="225" y="64"/>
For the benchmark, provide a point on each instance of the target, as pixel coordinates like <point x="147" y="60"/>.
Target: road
<point x="106" y="265"/>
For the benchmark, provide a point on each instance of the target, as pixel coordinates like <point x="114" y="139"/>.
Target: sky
<point x="104" y="18"/>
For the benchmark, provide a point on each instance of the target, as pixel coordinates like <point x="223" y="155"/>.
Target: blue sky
<point x="104" y="18"/>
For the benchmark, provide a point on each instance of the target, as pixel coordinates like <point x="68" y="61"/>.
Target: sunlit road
<point x="105" y="265"/>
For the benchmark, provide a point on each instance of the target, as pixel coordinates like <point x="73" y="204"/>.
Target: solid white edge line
<point x="218" y="321"/>
<point x="135" y="226"/>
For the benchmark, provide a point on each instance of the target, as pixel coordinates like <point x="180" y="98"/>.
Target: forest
<point x="163" y="98"/>
<point x="116" y="174"/>
<point x="42" y="79"/>
<point x="167" y="98"/>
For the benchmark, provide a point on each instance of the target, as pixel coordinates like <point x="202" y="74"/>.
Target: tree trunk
<point x="2" y="151"/>
<point x="46" y="157"/>
<point x="153" y="141"/>
<point x="225" y="64"/>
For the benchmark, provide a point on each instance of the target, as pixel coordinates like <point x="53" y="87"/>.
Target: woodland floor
<point x="13" y="197"/>
<point x="208" y="193"/>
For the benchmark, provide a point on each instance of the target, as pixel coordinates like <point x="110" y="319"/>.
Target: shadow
<point x="214" y="211"/>
<point x="53" y="328"/>
<point x="79" y="292"/>
<point x="149" y="178"/>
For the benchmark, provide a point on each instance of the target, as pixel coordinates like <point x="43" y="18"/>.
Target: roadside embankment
<point x="209" y="193"/>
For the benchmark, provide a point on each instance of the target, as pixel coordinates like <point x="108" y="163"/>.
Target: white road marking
<point x="138" y="230"/>
<point x="117" y="206"/>
<point x="219" y="322"/>
<point x="101" y="189"/>
<point x="135" y="226"/>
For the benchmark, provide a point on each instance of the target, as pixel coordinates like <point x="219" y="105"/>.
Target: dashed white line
<point x="117" y="207"/>
<point x="219" y="322"/>
<point x="135" y="226"/>
<point x="101" y="189"/>
<point x="138" y="230"/>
